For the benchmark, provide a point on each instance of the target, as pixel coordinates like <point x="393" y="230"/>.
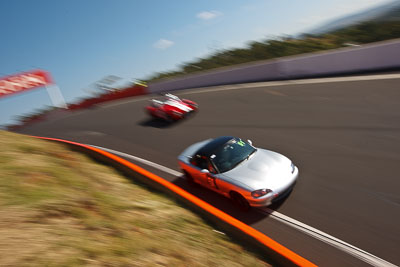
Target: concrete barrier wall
<point x="356" y="59"/>
<point x="377" y="56"/>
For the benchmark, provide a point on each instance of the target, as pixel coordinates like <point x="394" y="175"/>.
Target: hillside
<point x="60" y="208"/>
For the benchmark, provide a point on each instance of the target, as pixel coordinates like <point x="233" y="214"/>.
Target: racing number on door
<point x="211" y="181"/>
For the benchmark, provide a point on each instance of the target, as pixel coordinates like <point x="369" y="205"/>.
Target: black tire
<point x="169" y="119"/>
<point x="187" y="115"/>
<point x="189" y="178"/>
<point x="239" y="201"/>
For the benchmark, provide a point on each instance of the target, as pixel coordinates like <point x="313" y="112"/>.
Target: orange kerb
<point x="262" y="238"/>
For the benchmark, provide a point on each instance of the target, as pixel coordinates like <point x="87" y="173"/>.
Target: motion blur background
<point x="90" y="47"/>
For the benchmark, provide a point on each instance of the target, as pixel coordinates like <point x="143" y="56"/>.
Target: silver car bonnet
<point x="264" y="169"/>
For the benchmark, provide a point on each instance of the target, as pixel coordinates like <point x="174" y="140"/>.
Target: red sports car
<point x="171" y="108"/>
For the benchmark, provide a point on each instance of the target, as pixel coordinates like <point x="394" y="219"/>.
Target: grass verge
<point x="60" y="208"/>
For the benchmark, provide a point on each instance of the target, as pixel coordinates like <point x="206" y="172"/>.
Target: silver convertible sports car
<point x="250" y="176"/>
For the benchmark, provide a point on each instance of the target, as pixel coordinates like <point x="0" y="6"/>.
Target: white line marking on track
<point x="147" y="162"/>
<point x="328" y="239"/>
<point x="311" y="231"/>
<point x="289" y="82"/>
<point x="123" y="101"/>
<point x="253" y="85"/>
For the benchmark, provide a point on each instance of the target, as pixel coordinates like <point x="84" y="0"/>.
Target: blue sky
<point x="81" y="41"/>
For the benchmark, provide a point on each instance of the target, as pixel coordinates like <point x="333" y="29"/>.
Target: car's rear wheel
<point x="239" y="201"/>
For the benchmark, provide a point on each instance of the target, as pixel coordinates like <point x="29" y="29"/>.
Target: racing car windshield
<point x="231" y="154"/>
<point x="171" y="97"/>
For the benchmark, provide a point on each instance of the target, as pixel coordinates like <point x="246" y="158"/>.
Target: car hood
<point x="179" y="105"/>
<point x="264" y="169"/>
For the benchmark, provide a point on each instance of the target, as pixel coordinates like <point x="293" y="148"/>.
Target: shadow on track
<point x="224" y="204"/>
<point x="156" y="123"/>
<point x="161" y="123"/>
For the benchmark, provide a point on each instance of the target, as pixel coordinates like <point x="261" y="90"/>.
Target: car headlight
<point x="260" y="192"/>
<point x="293" y="167"/>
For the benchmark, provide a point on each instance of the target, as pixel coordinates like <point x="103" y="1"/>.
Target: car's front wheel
<point x="188" y="178"/>
<point x="239" y="201"/>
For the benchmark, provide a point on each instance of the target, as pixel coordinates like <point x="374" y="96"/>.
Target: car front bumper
<point x="275" y="195"/>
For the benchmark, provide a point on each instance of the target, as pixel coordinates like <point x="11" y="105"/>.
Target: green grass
<point x="60" y="208"/>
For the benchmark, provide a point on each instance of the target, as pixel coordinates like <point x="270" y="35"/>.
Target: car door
<point x="198" y="163"/>
<point x="204" y="172"/>
<point x="210" y="179"/>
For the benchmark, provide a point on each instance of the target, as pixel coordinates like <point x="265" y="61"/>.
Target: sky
<point x="82" y="41"/>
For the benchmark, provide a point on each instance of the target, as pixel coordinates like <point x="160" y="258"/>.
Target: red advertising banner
<point x="24" y="81"/>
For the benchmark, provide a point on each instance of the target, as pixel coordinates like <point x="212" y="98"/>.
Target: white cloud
<point x="163" y="44"/>
<point x="207" y="15"/>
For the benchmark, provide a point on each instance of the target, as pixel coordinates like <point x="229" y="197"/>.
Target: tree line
<point x="359" y="34"/>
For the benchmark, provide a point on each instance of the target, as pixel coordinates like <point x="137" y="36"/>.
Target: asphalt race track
<point x="343" y="136"/>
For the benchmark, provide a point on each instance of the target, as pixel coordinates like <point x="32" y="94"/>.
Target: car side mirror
<point x="204" y="171"/>
<point x="249" y="141"/>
